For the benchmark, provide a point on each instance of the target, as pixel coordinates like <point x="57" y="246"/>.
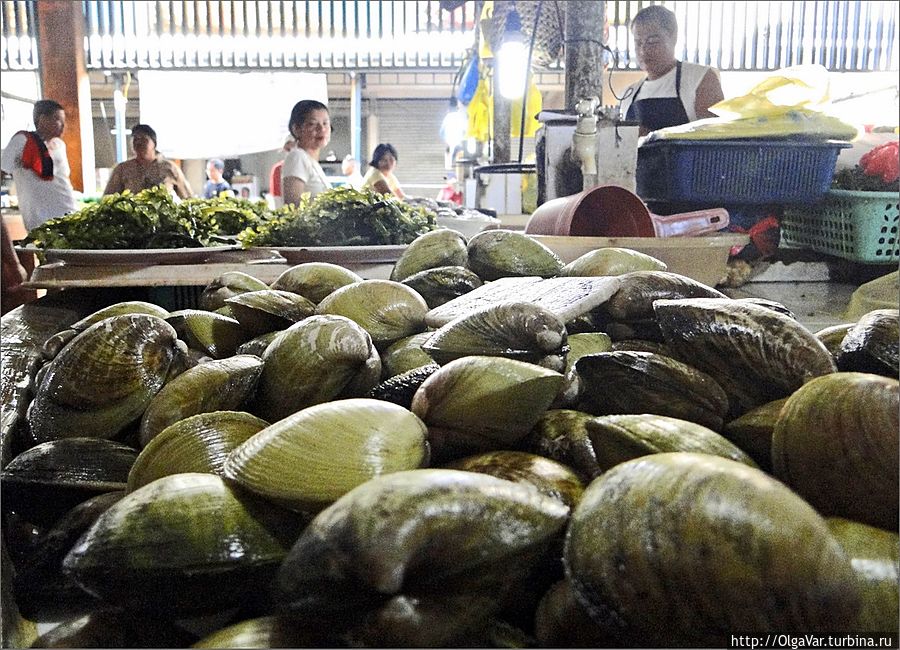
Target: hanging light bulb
<point x="512" y="59"/>
<point x="454" y="125"/>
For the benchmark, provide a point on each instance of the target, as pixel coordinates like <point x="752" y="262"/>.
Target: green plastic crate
<point x="857" y="226"/>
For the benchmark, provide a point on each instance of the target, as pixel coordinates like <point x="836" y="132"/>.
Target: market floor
<point x="816" y="304"/>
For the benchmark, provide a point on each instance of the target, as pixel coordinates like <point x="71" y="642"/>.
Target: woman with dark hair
<point x="148" y="168"/>
<point x="674" y="92"/>
<point x="380" y="176"/>
<point x="310" y="124"/>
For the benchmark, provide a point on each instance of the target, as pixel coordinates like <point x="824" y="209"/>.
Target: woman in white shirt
<point x="674" y="92"/>
<point x="310" y="124"/>
<point x="380" y="176"/>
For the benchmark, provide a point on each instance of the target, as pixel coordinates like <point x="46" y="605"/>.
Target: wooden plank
<point x="565" y="297"/>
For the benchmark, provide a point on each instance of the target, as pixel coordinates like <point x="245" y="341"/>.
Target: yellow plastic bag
<point x="790" y="102"/>
<point x="481" y="112"/>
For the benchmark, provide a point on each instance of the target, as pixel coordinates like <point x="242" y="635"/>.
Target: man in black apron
<point x="655" y="104"/>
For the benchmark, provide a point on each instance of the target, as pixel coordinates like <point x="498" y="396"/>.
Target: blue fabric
<point x="211" y="189"/>
<point x="469" y="82"/>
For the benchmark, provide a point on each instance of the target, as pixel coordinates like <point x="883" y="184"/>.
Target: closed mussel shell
<point x="619" y="438"/>
<point x="440" y="247"/>
<point x="221" y="385"/>
<point x="518" y="330"/>
<point x="759" y="557"/>
<point x="417" y="558"/>
<point x="269" y="310"/>
<point x="550" y="477"/>
<point x="616" y="383"/>
<point x="400" y="389"/>
<point x="755" y="354"/>
<point x="316" y="360"/>
<point x="42" y="591"/>
<point x="44" y="482"/>
<point x="833" y="335"/>
<point x="115" y="629"/>
<point x="387" y="310"/>
<point x="561" y="434"/>
<point x="405" y="354"/>
<point x="875" y="557"/>
<point x="183" y="545"/>
<point x="634" y="299"/>
<point x="495" y="254"/>
<point x="310" y="459"/>
<point x="484" y="403"/>
<point x="835" y="443"/>
<point x="584" y="344"/>
<point x="54" y="344"/>
<point x="442" y="284"/>
<point x="226" y="286"/>
<point x="562" y="622"/>
<point x="314" y="280"/>
<point x="199" y="443"/>
<point x="872" y="345"/>
<point x="263" y="632"/>
<point x="104" y="379"/>
<point x="258" y="344"/>
<point x="752" y="432"/>
<point x="611" y="261"/>
<point x="213" y="334"/>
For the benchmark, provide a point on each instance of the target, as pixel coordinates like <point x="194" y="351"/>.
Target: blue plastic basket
<point x="750" y="172"/>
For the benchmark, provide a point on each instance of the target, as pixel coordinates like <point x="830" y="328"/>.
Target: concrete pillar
<point x="64" y="78"/>
<point x="372" y="134"/>
<point x="584" y="56"/>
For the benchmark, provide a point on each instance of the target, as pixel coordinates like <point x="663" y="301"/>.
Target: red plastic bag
<point x="884" y="161"/>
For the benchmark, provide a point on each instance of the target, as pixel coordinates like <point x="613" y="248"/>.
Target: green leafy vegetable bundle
<point x="148" y="219"/>
<point x="342" y="217"/>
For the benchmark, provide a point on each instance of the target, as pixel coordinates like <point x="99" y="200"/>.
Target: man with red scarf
<point x="39" y="166"/>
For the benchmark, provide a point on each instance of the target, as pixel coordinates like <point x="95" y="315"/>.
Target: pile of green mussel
<point x="323" y="462"/>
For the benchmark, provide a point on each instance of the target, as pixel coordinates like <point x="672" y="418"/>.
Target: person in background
<point x="350" y="169"/>
<point x="310" y="124"/>
<point x="674" y="92"/>
<point x="148" y="168"/>
<point x="380" y="176"/>
<point x="245" y="192"/>
<point x="216" y="182"/>
<point x="451" y="192"/>
<point x="14" y="274"/>
<point x="276" y="200"/>
<point x="39" y="166"/>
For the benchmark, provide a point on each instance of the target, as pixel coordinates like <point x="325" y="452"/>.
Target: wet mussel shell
<point x="833" y="335"/>
<point x="835" y="443"/>
<point x="442" y="247"/>
<point x="103" y="379"/>
<point x="483" y="403"/>
<point x="562" y="435"/>
<point x="752" y="432"/>
<point x="405" y="354"/>
<point x="617" y="383"/>
<point x="418" y="558"/>
<point x="319" y="359"/>
<point x="226" y="286"/>
<point x="269" y="310"/>
<point x="551" y="478"/>
<point x="611" y="261"/>
<point x="314" y="280"/>
<point x="875" y="556"/>
<point x="755" y="354"/>
<point x="495" y="254"/>
<point x="265" y="632"/>
<point x="42" y="591"/>
<point x="258" y="344"/>
<point x="310" y="459"/>
<point x="46" y="481"/>
<point x="759" y="557"/>
<point x="113" y="629"/>
<point x="516" y="330"/>
<point x="442" y="284"/>
<point x="221" y="385"/>
<point x="184" y="545"/>
<point x="638" y="291"/>
<point x="872" y="345"/>
<point x="199" y="443"/>
<point x="387" y="310"/>
<point x="400" y="389"/>
<point x="586" y="343"/>
<point x="560" y="621"/>
<point x="215" y="335"/>
<point x="620" y="438"/>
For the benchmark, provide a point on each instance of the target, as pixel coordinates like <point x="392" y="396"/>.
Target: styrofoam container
<point x="468" y="227"/>
<point x="704" y="259"/>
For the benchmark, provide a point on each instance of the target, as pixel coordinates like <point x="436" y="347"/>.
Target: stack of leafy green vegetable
<point x="342" y="217"/>
<point x="148" y="219"/>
